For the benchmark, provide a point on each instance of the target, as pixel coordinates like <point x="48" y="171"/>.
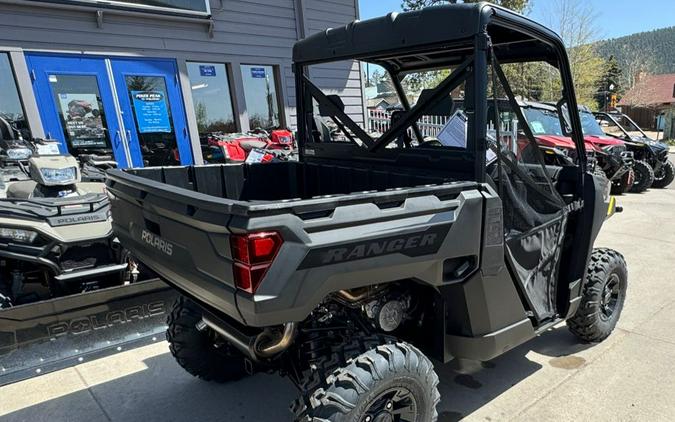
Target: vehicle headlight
<point x="18" y="235"/>
<point x="60" y="176"/>
<point x="19" y="153"/>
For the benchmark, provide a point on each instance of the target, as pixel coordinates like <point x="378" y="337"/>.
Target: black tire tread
<point x="647" y="176"/>
<point x="668" y="178"/>
<point x="365" y="361"/>
<point x="195" y="352"/>
<point x="584" y="324"/>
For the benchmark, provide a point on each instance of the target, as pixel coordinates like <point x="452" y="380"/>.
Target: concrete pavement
<point x="629" y="377"/>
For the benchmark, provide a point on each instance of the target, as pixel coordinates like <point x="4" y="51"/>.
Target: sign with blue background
<point x="152" y="114"/>
<point x="207" y="70"/>
<point x="258" y="72"/>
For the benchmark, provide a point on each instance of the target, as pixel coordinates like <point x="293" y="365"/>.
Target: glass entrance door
<point x="132" y="108"/>
<point x="77" y="105"/>
<point x="153" y="113"/>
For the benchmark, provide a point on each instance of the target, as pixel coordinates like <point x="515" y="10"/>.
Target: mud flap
<point x="46" y="336"/>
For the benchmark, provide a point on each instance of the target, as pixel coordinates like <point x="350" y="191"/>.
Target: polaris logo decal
<point x="68" y="220"/>
<point x="101" y="321"/>
<point x="157" y="242"/>
<point x="413" y="244"/>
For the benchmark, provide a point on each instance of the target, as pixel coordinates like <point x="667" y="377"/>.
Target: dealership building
<point x="151" y="79"/>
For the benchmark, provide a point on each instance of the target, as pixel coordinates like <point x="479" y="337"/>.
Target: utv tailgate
<point x="331" y="240"/>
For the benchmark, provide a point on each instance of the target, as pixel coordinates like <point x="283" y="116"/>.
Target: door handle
<point x="128" y="135"/>
<point x="185" y="132"/>
<point x="118" y="139"/>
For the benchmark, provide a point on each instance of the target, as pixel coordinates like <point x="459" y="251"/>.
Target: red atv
<point x="237" y="147"/>
<point x="606" y="155"/>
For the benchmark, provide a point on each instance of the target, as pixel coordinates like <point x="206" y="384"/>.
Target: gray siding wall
<point x="342" y="78"/>
<point x="243" y="32"/>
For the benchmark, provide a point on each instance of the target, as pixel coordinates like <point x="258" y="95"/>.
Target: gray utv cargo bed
<point x="178" y="221"/>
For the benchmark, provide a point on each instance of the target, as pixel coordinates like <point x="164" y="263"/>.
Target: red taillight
<point x="253" y="254"/>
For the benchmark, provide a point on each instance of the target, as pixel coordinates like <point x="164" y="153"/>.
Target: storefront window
<point x="10" y="103"/>
<point x="211" y="97"/>
<point x="260" y="92"/>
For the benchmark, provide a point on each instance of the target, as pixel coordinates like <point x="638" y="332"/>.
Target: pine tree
<point x="610" y="83"/>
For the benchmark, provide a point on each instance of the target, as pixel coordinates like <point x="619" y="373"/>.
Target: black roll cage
<point x="471" y="55"/>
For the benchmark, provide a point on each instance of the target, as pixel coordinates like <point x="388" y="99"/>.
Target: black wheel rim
<point x="610" y="296"/>
<point x="393" y="405"/>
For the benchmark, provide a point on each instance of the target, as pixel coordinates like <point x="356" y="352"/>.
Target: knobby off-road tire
<point x="624" y="184"/>
<point x="644" y="176"/>
<point x="664" y="176"/>
<point x="374" y="385"/>
<point x="602" y="298"/>
<point x="195" y="350"/>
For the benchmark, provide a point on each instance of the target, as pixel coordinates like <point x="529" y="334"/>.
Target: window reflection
<point x="11" y="109"/>
<point x="261" y="96"/>
<point x="211" y="97"/>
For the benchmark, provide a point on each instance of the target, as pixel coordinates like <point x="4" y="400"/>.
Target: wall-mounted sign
<point x="258" y="72"/>
<point x="207" y="70"/>
<point x="152" y="114"/>
<point x="83" y="120"/>
<point x="181" y="7"/>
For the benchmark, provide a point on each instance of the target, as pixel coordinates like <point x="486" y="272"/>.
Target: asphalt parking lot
<point x="628" y="377"/>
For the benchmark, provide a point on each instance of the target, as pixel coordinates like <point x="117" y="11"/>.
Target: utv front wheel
<point x="664" y="176"/>
<point x="199" y="352"/>
<point x="644" y="176"/>
<point x="390" y="382"/>
<point x="603" y="296"/>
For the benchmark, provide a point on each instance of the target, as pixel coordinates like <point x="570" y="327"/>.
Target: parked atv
<point x="364" y="260"/>
<point x="236" y="147"/>
<point x="546" y="125"/>
<point x="613" y="156"/>
<point x="652" y="167"/>
<point x="55" y="235"/>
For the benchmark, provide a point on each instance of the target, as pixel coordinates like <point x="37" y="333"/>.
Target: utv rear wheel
<point x="624" y="184"/>
<point x="664" y="176"/>
<point x="389" y="382"/>
<point x="603" y="296"/>
<point x="198" y="352"/>
<point x="644" y="176"/>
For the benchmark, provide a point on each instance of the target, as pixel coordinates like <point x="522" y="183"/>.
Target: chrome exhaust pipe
<point x="263" y="345"/>
<point x="278" y="346"/>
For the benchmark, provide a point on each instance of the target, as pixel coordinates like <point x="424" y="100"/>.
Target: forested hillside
<point x="652" y="51"/>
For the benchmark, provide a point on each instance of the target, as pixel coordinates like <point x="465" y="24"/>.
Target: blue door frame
<point x="163" y="68"/>
<point x="122" y="129"/>
<point x="43" y="65"/>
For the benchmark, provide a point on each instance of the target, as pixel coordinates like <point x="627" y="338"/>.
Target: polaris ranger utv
<point x="370" y="256"/>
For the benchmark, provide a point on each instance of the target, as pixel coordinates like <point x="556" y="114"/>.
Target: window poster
<point x="83" y="120"/>
<point x="152" y="113"/>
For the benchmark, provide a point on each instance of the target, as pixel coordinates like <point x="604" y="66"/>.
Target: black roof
<point x="402" y="40"/>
